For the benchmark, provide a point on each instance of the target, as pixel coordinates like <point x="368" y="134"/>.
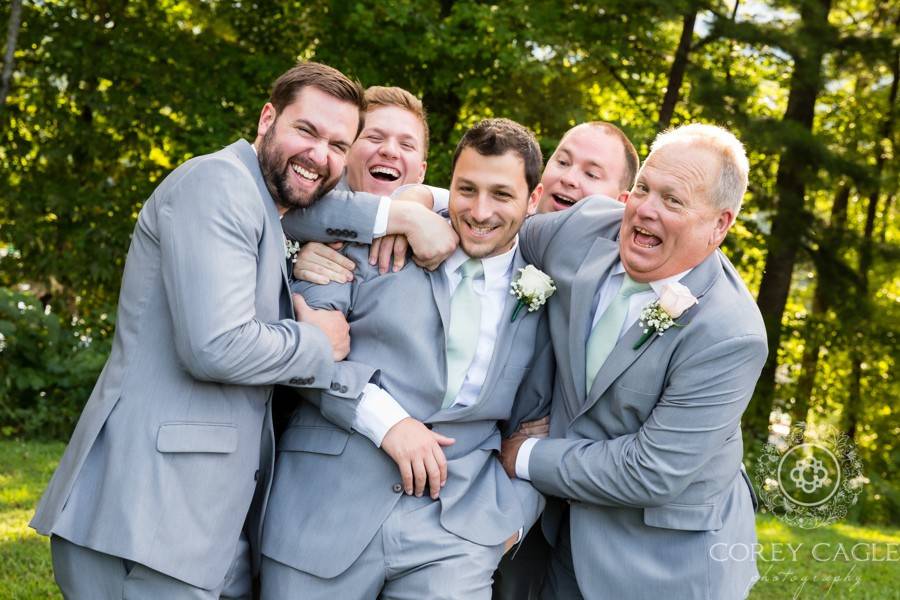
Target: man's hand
<point x="430" y="236"/>
<point x="321" y="263"/>
<point x="385" y="249"/>
<point x="332" y="322"/>
<point x="417" y="452"/>
<point x="539" y="428"/>
<point x="509" y="450"/>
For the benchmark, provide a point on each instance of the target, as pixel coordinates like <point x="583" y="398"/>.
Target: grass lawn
<point x="841" y="561"/>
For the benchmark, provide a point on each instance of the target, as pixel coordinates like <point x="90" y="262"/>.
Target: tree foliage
<point x="107" y="96"/>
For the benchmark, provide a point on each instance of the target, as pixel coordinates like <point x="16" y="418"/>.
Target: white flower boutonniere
<point x="660" y="314"/>
<point x="290" y="249"/>
<point x="532" y="288"/>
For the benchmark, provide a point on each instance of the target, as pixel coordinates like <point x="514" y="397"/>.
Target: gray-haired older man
<point x="644" y="455"/>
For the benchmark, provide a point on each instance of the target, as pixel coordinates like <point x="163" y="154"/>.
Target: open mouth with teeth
<point x="305" y="173"/>
<point x="645" y="238"/>
<point x="481" y="231"/>
<point x="381" y="173"/>
<point x="562" y="200"/>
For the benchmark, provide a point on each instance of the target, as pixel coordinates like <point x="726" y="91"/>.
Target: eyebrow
<point x="343" y="144"/>
<point x="402" y="136"/>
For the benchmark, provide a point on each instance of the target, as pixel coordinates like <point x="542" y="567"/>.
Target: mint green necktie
<point x="605" y="334"/>
<point x="465" y="323"/>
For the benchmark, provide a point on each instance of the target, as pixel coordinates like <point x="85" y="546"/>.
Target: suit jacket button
<point x="329" y="231"/>
<point x="335" y="386"/>
<point x="352" y="235"/>
<point x="397" y="488"/>
<point x="310" y="380"/>
<point x="295" y="381"/>
<point x="343" y="389"/>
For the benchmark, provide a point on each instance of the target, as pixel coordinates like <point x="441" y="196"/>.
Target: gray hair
<point x="734" y="168"/>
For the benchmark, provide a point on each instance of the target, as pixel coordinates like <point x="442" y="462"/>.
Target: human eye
<point x="562" y="162"/>
<point x="592" y="175"/>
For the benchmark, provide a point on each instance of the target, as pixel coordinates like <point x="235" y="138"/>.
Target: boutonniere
<point x="660" y="314"/>
<point x="290" y="249"/>
<point x="532" y="288"/>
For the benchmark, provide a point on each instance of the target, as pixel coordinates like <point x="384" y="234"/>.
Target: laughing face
<point x="587" y="161"/>
<point x="302" y="150"/>
<point x="489" y="200"/>
<point x="390" y="152"/>
<point x="670" y="225"/>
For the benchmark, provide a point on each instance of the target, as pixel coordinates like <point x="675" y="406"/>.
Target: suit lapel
<point x="623" y="355"/>
<point x="440" y="291"/>
<point x="593" y="269"/>
<point x="275" y="240"/>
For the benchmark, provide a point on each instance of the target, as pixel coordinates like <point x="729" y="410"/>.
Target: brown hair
<point x="327" y="79"/>
<point x="632" y="162"/>
<point x="377" y="96"/>
<point x="495" y="137"/>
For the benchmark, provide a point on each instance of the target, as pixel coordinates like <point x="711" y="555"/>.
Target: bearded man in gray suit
<point x="452" y="353"/>
<point x="643" y="462"/>
<point x="151" y="498"/>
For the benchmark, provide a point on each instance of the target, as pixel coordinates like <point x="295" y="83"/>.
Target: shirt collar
<point x="658" y="285"/>
<point x="495" y="267"/>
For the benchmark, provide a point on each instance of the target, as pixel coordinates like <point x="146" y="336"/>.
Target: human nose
<point x="388" y="148"/>
<point x="646" y="207"/>
<point x="318" y="152"/>
<point x="481" y="209"/>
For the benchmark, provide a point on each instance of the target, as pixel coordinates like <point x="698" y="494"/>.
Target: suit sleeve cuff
<point x="523" y="457"/>
<point x="376" y="413"/>
<point x="381" y="217"/>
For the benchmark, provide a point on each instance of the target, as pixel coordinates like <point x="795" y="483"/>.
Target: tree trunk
<point x="853" y="410"/>
<point x="12" y="34"/>
<point x="676" y="73"/>
<point x="791" y="221"/>
<point x="832" y="238"/>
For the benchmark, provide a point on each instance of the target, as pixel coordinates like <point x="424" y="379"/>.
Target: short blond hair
<point x="734" y="168"/>
<point x="378" y="96"/>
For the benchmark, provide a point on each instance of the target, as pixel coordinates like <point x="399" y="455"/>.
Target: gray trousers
<point x="560" y="583"/>
<point x="410" y="558"/>
<point x="85" y="574"/>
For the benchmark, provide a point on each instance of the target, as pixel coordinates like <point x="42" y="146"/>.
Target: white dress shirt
<point x="378" y="411"/>
<point x="607" y="290"/>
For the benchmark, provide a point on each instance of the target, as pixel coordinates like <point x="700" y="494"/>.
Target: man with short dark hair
<point x="151" y="498"/>
<point x="342" y="522"/>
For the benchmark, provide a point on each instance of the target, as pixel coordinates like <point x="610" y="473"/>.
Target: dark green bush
<point x="48" y="367"/>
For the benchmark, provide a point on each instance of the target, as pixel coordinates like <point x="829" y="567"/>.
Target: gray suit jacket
<point x="649" y="459"/>
<point x="333" y="488"/>
<point x="167" y="454"/>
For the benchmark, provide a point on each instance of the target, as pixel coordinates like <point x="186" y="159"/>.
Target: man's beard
<point x="277" y="171"/>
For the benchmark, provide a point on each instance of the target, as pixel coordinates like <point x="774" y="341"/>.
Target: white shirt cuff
<point x="523" y="457"/>
<point x="376" y="413"/>
<point x="519" y="536"/>
<point x="381" y="217"/>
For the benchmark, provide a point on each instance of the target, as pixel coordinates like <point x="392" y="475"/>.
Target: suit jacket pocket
<point x="684" y="517"/>
<point x="321" y="440"/>
<point x="218" y="438"/>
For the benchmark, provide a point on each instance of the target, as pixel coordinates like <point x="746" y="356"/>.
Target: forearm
<point x="693" y="421"/>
